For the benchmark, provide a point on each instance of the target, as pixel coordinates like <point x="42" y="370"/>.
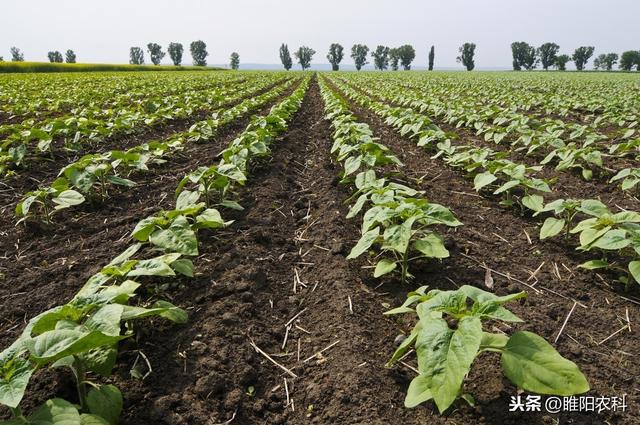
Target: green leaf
<point x="186" y="199"/>
<point x="384" y="266"/>
<point x="87" y="419"/>
<point x="126" y="254"/>
<point x="489" y="305"/>
<point x="105" y="402"/>
<point x="613" y="240"/>
<point x="397" y="236"/>
<point x="144" y="228"/>
<point x="593" y="207"/>
<point x="590" y="235"/>
<point x="534" y="365"/>
<point x="405" y="345"/>
<point x="68" y="198"/>
<point x="183" y="266"/>
<point x="352" y="164"/>
<point x="418" y="391"/>
<point x="508" y="185"/>
<point x="210" y="218"/>
<point x="117" y="180"/>
<point x="533" y="202"/>
<point x="364" y="243"/>
<point x="231" y="205"/>
<point x="483" y="179"/>
<point x="55" y="412"/>
<point x="15" y="373"/>
<point x="445" y="356"/>
<point x="179" y="237"/>
<point x="594" y="264"/>
<point x="56" y="344"/>
<point x="101" y="360"/>
<point x="551" y="227"/>
<point x="160" y="308"/>
<point x="171" y="312"/>
<point x="152" y="267"/>
<point x="634" y="269"/>
<point x="431" y="246"/>
<point x="106" y="320"/>
<point x="493" y="341"/>
<point x="629" y="183"/>
<point x="357" y="206"/>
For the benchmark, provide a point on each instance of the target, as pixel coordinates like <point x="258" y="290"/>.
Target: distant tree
<point x="628" y="59"/>
<point x="304" y="56"/>
<point x="16" y="55"/>
<point x="285" y="57"/>
<point x="70" y="56"/>
<point x="561" y="62"/>
<point x="199" y="52"/>
<point x="175" y="53"/>
<point x="1" y="59"/>
<point x="380" y="58"/>
<point x="605" y="61"/>
<point x="136" y="56"/>
<point x="432" y="55"/>
<point x="467" y="52"/>
<point x="335" y="55"/>
<point x="394" y="58"/>
<point x="55" y="57"/>
<point x="548" y="53"/>
<point x="155" y="52"/>
<point x="359" y="54"/>
<point x="598" y="62"/>
<point x="581" y="56"/>
<point x="235" y="60"/>
<point x="524" y="56"/>
<point x="407" y="54"/>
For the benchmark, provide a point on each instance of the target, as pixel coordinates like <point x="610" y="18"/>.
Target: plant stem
<point x="405" y="265"/>
<point x="79" y="372"/>
<point x="103" y="187"/>
<point x="16" y="413"/>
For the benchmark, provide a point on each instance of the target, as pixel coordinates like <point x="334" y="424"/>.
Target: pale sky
<point x="102" y="31"/>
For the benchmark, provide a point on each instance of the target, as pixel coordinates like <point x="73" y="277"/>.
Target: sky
<point x="103" y="31"/>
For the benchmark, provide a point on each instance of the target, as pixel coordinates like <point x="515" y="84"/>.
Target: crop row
<point x="27" y="95"/>
<point x="20" y="140"/>
<point x="84" y="334"/>
<point x="601" y="102"/>
<point x="567" y="144"/>
<point x="94" y="175"/>
<point x="397" y="223"/>
<point x="599" y="229"/>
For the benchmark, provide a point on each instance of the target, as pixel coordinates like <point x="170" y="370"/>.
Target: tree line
<point x="197" y="48"/>
<point x="383" y="57"/>
<point x="524" y="55"/>
<point x="54" y="56"/>
<point x="528" y="57"/>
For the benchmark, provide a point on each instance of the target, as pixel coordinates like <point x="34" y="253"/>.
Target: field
<point x="16" y="67"/>
<point x="223" y="247"/>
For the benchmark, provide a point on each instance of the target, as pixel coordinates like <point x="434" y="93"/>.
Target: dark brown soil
<point x="206" y="371"/>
